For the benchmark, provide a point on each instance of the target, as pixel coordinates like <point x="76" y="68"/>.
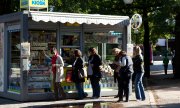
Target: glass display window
<point x="14" y="58"/>
<point x="39" y="75"/>
<point x="104" y="42"/>
<point x="69" y="42"/>
<point x="71" y="39"/>
<point x="41" y="41"/>
<point x="68" y="55"/>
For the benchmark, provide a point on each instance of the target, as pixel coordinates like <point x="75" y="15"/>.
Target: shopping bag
<point x="69" y="76"/>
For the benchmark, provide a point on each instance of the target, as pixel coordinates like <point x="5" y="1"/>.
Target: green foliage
<point x="9" y="6"/>
<point x="161" y="13"/>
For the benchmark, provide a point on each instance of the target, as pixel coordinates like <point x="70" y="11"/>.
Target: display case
<point x="39" y="80"/>
<point x="104" y="42"/>
<point x="39" y="75"/>
<point x="14" y="58"/>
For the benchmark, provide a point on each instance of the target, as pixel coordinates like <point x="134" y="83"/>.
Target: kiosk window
<point x="39" y="76"/>
<point x="71" y="39"/>
<point x="69" y="42"/>
<point x="14" y="58"/>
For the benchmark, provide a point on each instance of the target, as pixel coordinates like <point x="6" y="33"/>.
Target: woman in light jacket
<point x="58" y="74"/>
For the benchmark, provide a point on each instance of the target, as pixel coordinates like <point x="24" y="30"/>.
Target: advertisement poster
<point x="130" y="49"/>
<point x="1" y="57"/>
<point x="25" y="49"/>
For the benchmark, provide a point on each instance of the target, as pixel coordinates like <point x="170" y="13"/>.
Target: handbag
<point x="69" y="76"/>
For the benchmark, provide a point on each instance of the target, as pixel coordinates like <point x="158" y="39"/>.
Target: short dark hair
<point x="123" y="53"/>
<point x="93" y="50"/>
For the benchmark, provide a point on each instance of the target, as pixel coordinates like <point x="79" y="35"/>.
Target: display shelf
<point x="39" y="75"/>
<point x="39" y="79"/>
<point x="39" y="85"/>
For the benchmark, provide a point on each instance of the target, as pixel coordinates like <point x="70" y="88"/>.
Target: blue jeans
<point x="80" y="89"/>
<point x="139" y="88"/>
<point x="95" y="86"/>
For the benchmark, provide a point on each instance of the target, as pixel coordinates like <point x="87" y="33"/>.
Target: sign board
<point x="1" y="57"/>
<point x="38" y="3"/>
<point x="130" y="50"/>
<point x="136" y="21"/>
<point x="25" y="49"/>
<point x="24" y="3"/>
<point x="34" y="4"/>
<point x="161" y="42"/>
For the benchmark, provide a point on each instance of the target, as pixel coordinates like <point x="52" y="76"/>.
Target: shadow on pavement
<point x="4" y="101"/>
<point x="165" y="89"/>
<point x="161" y="81"/>
<point x="174" y="105"/>
<point x="82" y="105"/>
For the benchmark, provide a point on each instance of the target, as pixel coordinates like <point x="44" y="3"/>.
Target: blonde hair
<point x="116" y="50"/>
<point x="137" y="50"/>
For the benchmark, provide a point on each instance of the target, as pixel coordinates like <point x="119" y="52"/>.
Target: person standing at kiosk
<point x="58" y="74"/>
<point x="95" y="61"/>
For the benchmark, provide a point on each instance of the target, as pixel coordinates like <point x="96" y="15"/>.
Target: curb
<point x="150" y="93"/>
<point x="152" y="99"/>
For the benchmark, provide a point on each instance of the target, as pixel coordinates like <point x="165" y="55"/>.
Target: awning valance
<point x="78" y="18"/>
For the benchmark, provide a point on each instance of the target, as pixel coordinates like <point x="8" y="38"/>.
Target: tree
<point x="9" y="6"/>
<point x="177" y="40"/>
<point x="155" y="15"/>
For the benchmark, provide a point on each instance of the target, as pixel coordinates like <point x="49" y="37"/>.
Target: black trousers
<point x="124" y="86"/>
<point x="165" y="69"/>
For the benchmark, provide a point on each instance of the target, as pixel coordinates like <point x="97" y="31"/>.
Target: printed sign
<point x="24" y="3"/>
<point x="25" y="49"/>
<point x="130" y="50"/>
<point x="34" y="3"/>
<point x="1" y="57"/>
<point x="38" y="3"/>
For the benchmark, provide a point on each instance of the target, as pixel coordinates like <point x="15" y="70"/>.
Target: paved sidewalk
<point x="109" y="101"/>
<point x="161" y="92"/>
<point x="165" y="89"/>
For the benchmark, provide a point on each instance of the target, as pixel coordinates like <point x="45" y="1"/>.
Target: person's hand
<point x="44" y="52"/>
<point x="53" y="65"/>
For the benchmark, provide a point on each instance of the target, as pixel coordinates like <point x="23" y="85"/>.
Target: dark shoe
<point x="120" y="100"/>
<point x="126" y="100"/>
<point x="79" y="99"/>
<point x="94" y="97"/>
<point x="116" y="96"/>
<point x="85" y="95"/>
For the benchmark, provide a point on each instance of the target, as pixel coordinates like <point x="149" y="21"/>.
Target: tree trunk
<point x="177" y="48"/>
<point x="146" y="45"/>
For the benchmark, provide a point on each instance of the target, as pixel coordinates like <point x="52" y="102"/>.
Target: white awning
<point x="78" y="18"/>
